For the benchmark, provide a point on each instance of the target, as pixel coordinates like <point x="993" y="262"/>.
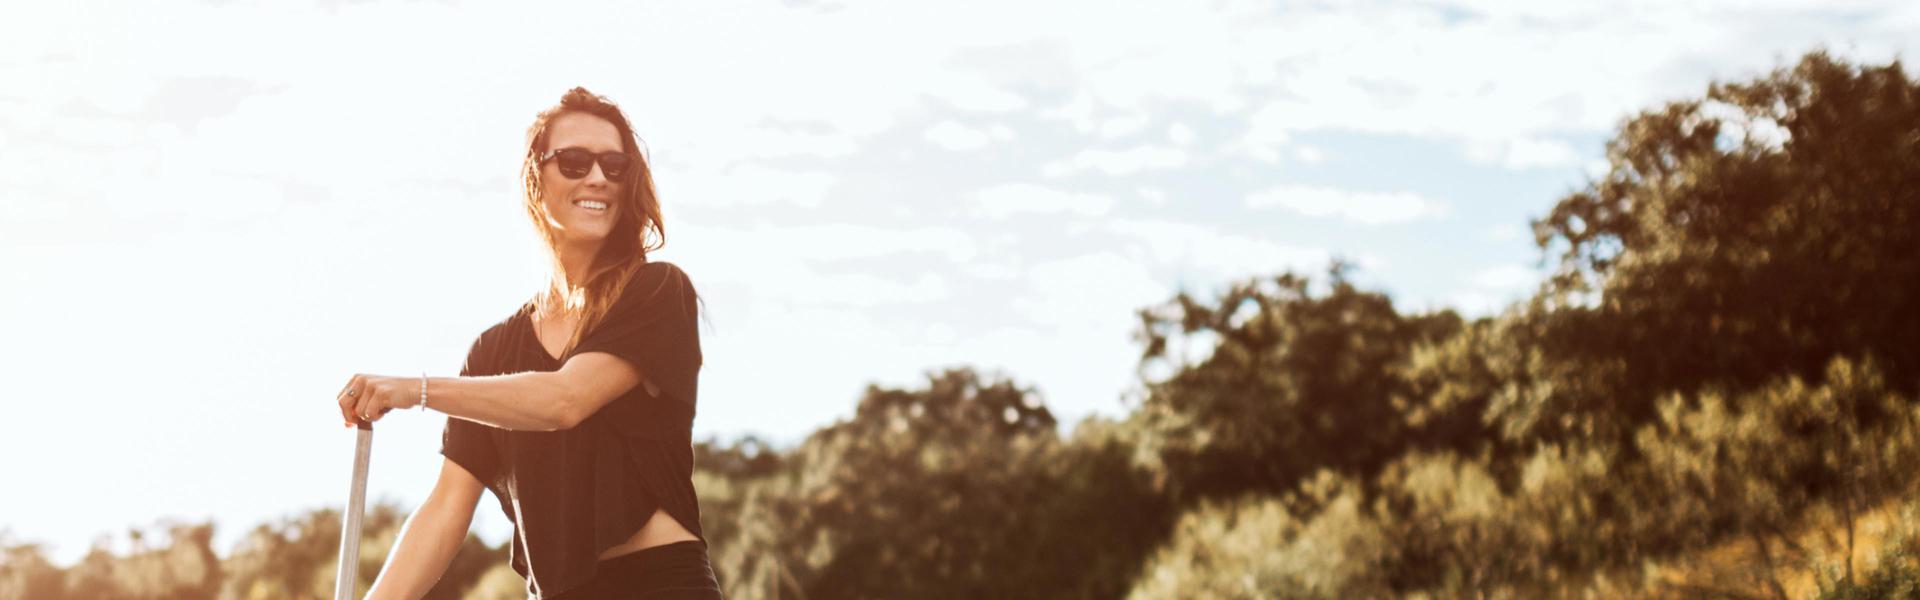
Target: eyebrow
<point x="616" y="149"/>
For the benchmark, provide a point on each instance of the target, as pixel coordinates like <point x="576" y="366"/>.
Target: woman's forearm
<point x="427" y="544"/>
<point x="533" y="400"/>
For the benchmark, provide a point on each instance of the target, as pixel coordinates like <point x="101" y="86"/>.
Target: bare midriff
<point x="661" y="529"/>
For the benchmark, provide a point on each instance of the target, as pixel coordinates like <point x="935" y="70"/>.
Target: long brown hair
<point x="637" y="228"/>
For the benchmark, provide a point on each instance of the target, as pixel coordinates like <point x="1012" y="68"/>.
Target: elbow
<point x="570" y="408"/>
<point x="566" y="419"/>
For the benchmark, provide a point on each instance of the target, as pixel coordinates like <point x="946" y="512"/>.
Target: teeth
<point x="591" y="204"/>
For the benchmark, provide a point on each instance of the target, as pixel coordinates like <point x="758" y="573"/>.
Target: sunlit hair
<point x="637" y="228"/>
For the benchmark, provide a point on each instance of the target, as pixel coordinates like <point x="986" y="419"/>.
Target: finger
<point x="349" y="399"/>
<point x="346" y="403"/>
<point x="352" y="384"/>
<point x="372" y="406"/>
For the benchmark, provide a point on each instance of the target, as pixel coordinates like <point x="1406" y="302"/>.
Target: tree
<point x="25" y="572"/>
<point x="1295" y="383"/>
<point x="962" y="489"/>
<point x="1759" y="231"/>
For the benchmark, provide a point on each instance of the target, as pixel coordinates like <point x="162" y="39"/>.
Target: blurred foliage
<point x="1295" y="383"/>
<point x="1755" y="232"/>
<point x="963" y="489"/>
<point x="1714" y="396"/>
<point x="1898" y="577"/>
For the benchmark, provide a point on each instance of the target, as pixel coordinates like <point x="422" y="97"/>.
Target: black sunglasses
<point x="575" y="163"/>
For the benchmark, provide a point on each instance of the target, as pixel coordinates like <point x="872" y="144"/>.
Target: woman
<point x="577" y="410"/>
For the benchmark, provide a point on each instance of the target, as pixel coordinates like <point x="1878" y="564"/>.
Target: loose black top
<point x="573" y="493"/>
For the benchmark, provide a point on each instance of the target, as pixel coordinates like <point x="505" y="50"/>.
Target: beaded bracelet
<point x="423" y="390"/>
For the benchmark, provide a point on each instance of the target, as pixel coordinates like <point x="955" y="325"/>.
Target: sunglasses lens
<point x="574" y="163"/>
<point x="613" y="165"/>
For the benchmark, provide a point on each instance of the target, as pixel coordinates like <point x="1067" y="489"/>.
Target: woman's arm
<point x="430" y="537"/>
<point x="533" y="400"/>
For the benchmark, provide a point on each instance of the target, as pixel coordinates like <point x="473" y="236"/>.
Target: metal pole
<point x="346" y="579"/>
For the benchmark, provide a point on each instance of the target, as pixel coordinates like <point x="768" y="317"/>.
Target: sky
<point x="213" y="213"/>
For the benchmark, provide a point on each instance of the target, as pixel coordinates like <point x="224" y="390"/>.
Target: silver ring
<point x="353" y="392"/>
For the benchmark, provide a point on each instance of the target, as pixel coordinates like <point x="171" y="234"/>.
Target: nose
<point x="596" y="177"/>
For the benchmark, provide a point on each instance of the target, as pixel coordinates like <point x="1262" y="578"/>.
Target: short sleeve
<point x="467" y="443"/>
<point x="652" y="326"/>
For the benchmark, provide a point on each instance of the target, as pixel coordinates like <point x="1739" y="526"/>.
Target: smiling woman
<point x="577" y="410"/>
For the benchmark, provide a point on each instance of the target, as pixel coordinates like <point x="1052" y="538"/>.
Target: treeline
<point x="1710" y="398"/>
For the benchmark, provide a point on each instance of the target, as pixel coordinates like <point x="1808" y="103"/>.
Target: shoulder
<point x="662" y="272"/>
<point x="654" y="281"/>
<point x="490" y="338"/>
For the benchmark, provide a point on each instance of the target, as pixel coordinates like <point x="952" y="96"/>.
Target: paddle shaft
<point x="345" y="581"/>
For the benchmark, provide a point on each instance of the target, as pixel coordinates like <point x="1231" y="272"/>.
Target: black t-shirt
<point x="573" y="493"/>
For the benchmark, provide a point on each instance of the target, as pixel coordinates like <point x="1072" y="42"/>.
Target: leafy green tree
<point x="962" y="489"/>
<point x="1296" y="382"/>
<point x="1761" y="230"/>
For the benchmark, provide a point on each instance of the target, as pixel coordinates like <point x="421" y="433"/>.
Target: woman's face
<point x="570" y="202"/>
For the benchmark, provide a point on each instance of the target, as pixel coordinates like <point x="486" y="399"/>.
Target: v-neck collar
<point x="533" y="335"/>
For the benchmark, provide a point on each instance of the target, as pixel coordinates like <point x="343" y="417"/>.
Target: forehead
<point x="581" y="130"/>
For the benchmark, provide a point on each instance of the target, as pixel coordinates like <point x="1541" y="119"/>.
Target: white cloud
<point x="1509" y="75"/>
<point x="819" y="242"/>
<point x="771" y="142"/>
<point x="974" y="93"/>
<point x="954" y="136"/>
<point x="1372" y="208"/>
<point x="796" y="264"/>
<point x="1523" y="153"/>
<point x="1001" y="201"/>
<point x="744" y="185"/>
<point x="1077" y="111"/>
<point x="1091" y="290"/>
<point x="1215" y="254"/>
<point x="1180" y="134"/>
<point x="1120" y="162"/>
<point x="940" y="334"/>
<point x="1309" y="155"/>
<point x="1123" y="126"/>
<point x="863" y="290"/>
<point x="1266" y="134"/>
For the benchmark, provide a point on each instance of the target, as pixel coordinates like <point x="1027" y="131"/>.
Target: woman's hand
<point x="369" y="397"/>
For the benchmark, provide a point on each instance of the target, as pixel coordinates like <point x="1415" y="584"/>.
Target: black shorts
<point x="677" y="571"/>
